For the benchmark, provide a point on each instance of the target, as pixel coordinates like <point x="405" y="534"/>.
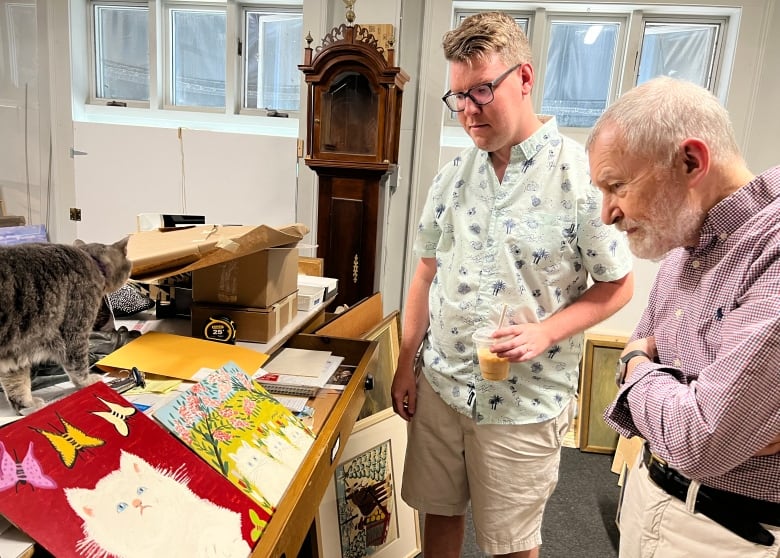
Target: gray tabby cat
<point x="49" y="297"/>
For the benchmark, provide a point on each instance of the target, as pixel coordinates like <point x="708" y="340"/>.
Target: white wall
<point x="243" y="175"/>
<point x="138" y="169"/>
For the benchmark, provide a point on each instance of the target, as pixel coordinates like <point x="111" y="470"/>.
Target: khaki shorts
<point x="507" y="471"/>
<point x="654" y="524"/>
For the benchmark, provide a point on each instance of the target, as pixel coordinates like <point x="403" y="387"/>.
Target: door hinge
<point x="75" y="214"/>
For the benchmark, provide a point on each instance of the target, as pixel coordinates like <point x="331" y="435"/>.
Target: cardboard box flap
<point x="158" y="254"/>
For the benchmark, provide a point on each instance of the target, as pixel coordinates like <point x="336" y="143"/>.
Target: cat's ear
<point x="79" y="500"/>
<point x="130" y="461"/>
<point x="78" y="242"/>
<point x="121" y="245"/>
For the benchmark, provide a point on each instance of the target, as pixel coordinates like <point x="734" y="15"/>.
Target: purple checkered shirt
<point x="714" y="399"/>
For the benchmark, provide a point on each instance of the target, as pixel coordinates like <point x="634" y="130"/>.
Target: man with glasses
<point x="511" y="227"/>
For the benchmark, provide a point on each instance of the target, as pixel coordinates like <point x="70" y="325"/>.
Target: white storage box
<point x="310" y="296"/>
<point x="330" y="284"/>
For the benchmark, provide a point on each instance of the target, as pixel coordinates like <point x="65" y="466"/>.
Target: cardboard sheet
<point x="162" y="253"/>
<point x="178" y="356"/>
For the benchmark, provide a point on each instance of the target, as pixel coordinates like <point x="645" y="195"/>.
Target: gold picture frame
<point x="387" y="333"/>
<point x="597" y="391"/>
<point x="362" y="513"/>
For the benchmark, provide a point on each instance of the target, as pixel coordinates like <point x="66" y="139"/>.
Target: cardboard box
<point x="255" y="325"/>
<point x="257" y="280"/>
<point x="163" y="253"/>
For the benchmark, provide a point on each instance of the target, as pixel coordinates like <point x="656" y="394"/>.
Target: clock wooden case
<point x="353" y="126"/>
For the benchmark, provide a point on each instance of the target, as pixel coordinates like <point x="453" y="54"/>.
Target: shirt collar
<point x="547" y="133"/>
<point x="733" y="211"/>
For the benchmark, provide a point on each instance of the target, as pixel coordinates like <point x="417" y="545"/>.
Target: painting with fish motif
<point x="118" y="484"/>
<point x="234" y="424"/>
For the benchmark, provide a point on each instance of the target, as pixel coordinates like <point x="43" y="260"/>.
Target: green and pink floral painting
<point x="239" y="428"/>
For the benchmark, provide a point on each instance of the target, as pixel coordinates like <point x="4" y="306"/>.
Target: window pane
<point x="273" y="52"/>
<point x="683" y="51"/>
<point x="580" y="61"/>
<point x="121" y="53"/>
<point x="198" y="40"/>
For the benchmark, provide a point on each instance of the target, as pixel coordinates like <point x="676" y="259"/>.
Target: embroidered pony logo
<point x="27" y="471"/>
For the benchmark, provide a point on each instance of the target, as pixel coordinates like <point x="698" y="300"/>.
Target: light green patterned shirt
<point x="530" y="242"/>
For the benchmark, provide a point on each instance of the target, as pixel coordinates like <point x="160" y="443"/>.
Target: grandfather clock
<point x="353" y="123"/>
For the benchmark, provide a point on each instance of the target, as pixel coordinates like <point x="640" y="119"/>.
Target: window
<point x="197" y="59"/>
<point x="580" y="71"/>
<point x="272" y="51"/>
<point x="584" y="59"/>
<point x="180" y="54"/>
<point x="121" y="52"/>
<point x="682" y="50"/>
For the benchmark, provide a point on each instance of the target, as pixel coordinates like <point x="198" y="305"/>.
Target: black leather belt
<point x="739" y="514"/>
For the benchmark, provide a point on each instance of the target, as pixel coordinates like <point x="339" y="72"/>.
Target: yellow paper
<point x="177" y="356"/>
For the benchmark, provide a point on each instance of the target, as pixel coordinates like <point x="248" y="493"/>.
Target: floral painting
<point x="233" y="423"/>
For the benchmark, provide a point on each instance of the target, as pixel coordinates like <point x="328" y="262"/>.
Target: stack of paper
<point x="298" y="371"/>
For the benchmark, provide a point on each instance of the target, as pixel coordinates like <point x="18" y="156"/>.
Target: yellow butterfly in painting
<point x="70" y="442"/>
<point x="117" y="416"/>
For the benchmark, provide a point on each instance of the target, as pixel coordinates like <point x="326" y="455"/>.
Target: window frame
<point x="271" y="8"/>
<point x="722" y="24"/>
<point x="161" y="48"/>
<point x="169" y="6"/>
<point x="92" y="46"/>
<point x="618" y="63"/>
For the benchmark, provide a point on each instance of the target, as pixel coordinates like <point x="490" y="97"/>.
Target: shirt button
<point x="678" y="312"/>
<point x="677" y="363"/>
<point x="723" y="236"/>
<point x="695" y="264"/>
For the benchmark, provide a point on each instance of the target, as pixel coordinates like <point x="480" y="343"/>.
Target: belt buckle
<point x="654" y="459"/>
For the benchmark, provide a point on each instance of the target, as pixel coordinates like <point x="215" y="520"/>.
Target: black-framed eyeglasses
<point x="481" y="94"/>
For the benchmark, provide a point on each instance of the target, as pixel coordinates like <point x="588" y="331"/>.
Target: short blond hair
<point x="652" y="120"/>
<point x="479" y="36"/>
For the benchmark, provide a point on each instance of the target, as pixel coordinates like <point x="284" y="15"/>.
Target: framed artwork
<point x="597" y="390"/>
<point x="387" y="333"/>
<point x="362" y="513"/>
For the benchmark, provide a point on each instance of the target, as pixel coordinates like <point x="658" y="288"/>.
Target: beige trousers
<point x="654" y="524"/>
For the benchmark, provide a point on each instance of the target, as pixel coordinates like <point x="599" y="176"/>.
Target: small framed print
<point x="362" y="513"/>
<point x="597" y="390"/>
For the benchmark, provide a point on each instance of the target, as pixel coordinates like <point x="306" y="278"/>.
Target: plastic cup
<point x="491" y="365"/>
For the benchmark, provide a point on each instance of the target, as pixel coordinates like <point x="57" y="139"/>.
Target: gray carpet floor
<point x="579" y="521"/>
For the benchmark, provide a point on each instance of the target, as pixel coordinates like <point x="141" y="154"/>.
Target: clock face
<point x="349" y="116"/>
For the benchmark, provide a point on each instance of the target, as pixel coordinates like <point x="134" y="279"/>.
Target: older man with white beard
<point x="699" y="378"/>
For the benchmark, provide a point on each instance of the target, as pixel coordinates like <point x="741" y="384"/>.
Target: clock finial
<point x="350" y="15"/>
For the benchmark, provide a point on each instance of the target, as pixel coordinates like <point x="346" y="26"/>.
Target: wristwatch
<point x="622" y="365"/>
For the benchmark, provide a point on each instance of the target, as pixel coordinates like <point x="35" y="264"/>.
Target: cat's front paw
<point x="27" y="405"/>
<point x="84" y="380"/>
